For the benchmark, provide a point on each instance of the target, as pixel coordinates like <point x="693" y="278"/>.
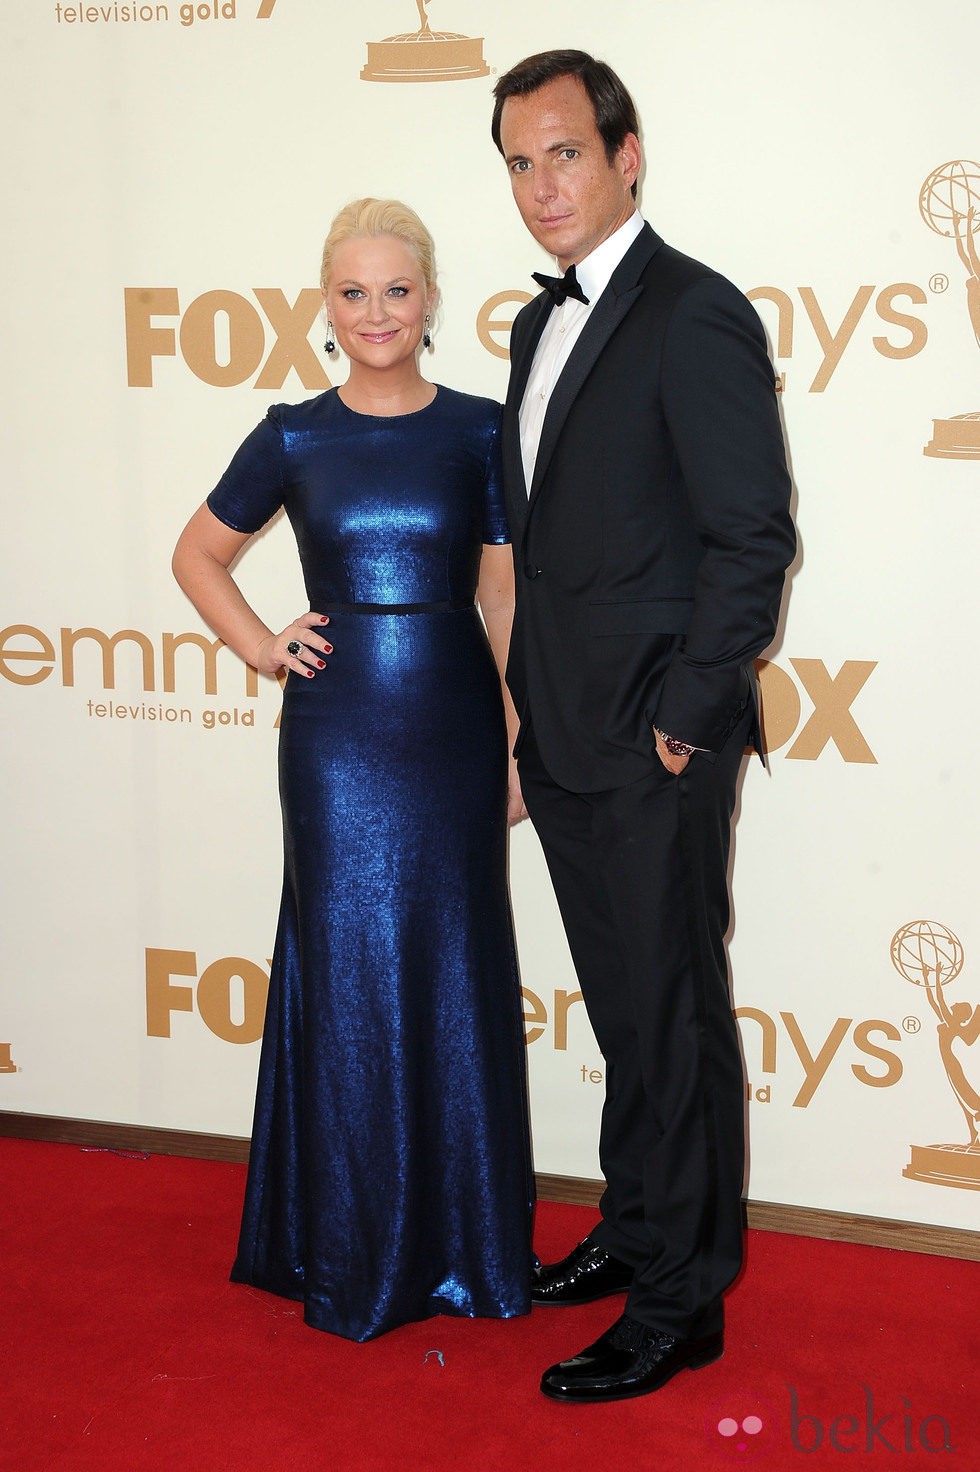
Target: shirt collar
<point x="595" y="272"/>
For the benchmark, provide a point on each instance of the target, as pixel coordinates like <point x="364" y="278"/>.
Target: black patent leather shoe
<point x="629" y="1359"/>
<point x="587" y="1273"/>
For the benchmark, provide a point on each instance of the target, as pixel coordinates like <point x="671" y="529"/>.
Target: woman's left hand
<point x="516" y="811"/>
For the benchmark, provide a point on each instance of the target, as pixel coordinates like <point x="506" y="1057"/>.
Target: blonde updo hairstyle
<point x="372" y="218"/>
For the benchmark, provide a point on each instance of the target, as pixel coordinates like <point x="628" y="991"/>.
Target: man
<point x="648" y="498"/>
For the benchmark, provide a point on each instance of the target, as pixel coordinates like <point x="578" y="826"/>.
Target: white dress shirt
<point x="562" y="331"/>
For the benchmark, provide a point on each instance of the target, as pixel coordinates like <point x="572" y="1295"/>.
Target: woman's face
<point x="377" y="300"/>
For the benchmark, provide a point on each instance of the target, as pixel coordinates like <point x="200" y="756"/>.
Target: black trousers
<point x="641" y="877"/>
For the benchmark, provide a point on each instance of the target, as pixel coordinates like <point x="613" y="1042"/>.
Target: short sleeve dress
<point x="390" y="1176"/>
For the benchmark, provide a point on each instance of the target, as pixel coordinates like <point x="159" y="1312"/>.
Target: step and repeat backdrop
<point x="169" y="175"/>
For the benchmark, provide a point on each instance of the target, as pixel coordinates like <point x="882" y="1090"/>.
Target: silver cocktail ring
<point x="294" y="647"/>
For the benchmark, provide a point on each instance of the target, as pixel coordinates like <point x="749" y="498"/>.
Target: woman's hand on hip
<point x="300" y="647"/>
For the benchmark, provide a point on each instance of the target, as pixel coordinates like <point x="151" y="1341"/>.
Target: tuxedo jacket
<point x="651" y="550"/>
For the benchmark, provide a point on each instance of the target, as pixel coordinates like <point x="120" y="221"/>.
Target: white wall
<point x="785" y="143"/>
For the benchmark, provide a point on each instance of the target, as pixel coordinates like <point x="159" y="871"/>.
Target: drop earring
<point x="329" y="346"/>
<point x="426" y="334"/>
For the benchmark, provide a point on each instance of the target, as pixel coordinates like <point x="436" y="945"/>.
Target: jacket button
<point x="530" y="571"/>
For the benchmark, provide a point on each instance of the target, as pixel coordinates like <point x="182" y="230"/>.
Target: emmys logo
<point x="949" y="202"/>
<point x="92" y="658"/>
<point x="188" y="14"/>
<point x="929" y="955"/>
<point x="7" y="1064"/>
<point x="28" y="657"/>
<point x="425" y="55"/>
<point x="831" y="336"/>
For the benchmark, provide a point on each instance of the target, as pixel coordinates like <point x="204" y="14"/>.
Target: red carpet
<point x="124" y="1347"/>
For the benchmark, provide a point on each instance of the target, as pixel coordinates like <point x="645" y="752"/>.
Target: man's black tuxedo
<point x="649" y="560"/>
<point x="651" y="551"/>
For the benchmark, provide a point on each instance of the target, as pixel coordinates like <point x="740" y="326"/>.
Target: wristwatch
<point x="675" y="747"/>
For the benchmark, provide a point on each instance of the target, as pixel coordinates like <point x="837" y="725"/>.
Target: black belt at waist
<point x="447" y="606"/>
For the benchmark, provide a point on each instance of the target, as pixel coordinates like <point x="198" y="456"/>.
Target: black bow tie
<point x="561" y="287"/>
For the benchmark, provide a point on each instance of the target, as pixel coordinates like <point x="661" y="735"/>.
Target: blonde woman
<point x="390" y="1170"/>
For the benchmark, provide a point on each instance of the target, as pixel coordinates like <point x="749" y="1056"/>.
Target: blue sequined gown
<point x="389" y="1177"/>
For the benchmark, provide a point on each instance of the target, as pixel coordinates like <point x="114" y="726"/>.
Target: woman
<point x="390" y="1170"/>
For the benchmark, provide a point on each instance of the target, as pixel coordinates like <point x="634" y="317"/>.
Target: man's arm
<point x="720" y="405"/>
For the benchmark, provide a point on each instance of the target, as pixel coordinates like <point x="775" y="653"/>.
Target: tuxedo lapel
<point x="609" y="311"/>
<point x="536" y="315"/>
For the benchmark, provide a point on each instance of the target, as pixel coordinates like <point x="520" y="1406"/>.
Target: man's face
<point x="571" y="197"/>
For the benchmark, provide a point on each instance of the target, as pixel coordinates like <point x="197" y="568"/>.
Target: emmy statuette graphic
<point x="929" y="955"/>
<point x="7" y="1064"/>
<point x="949" y="202"/>
<point x="425" y="55"/>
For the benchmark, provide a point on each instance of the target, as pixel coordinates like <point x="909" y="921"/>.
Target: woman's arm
<point x="495" y="594"/>
<point x="204" y="552"/>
